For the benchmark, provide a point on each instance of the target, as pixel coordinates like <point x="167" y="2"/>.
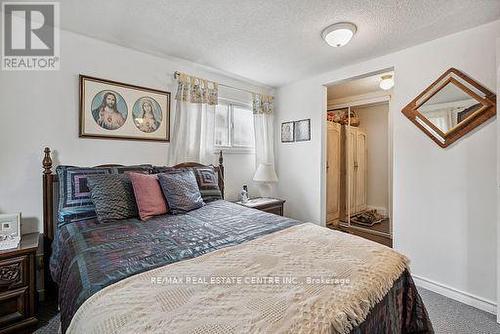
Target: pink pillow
<point x="148" y="195"/>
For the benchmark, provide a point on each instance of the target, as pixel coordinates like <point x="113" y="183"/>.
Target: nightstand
<point x="17" y="286"/>
<point x="271" y="205"/>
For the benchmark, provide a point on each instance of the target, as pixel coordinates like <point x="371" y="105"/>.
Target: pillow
<point x="208" y="183"/>
<point x="168" y="170"/>
<point x="113" y="197"/>
<point x="148" y="195"/>
<point x="75" y="203"/>
<point x="181" y="191"/>
<point x="206" y="177"/>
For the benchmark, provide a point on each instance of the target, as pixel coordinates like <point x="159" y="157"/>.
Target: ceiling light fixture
<point x="386" y="82"/>
<point x="339" y="34"/>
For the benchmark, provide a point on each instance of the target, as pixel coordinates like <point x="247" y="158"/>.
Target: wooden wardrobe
<point x="333" y="171"/>
<point x="346" y="171"/>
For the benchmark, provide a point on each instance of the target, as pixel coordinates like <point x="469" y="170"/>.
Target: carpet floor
<point x="451" y="317"/>
<point x="447" y="315"/>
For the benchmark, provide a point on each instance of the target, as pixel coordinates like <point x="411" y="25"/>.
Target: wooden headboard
<point x="49" y="185"/>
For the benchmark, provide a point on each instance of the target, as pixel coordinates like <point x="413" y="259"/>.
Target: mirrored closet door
<point x="357" y="168"/>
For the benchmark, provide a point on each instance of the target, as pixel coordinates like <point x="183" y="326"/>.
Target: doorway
<point x="358" y="158"/>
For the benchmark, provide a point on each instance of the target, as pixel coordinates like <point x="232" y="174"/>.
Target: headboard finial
<point x="47" y="162"/>
<point x="48" y="226"/>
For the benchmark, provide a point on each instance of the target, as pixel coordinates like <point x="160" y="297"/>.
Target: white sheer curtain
<point x="264" y="129"/>
<point x="193" y="127"/>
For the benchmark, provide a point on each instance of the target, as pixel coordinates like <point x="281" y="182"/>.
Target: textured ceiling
<point x="272" y="42"/>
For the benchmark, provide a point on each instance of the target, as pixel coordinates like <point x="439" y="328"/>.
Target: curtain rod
<point x="177" y="73"/>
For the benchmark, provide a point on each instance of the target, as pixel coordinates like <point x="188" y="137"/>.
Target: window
<point x="234" y="130"/>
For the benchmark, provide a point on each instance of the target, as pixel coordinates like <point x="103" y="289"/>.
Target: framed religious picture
<point x="287" y="133"/>
<point x="303" y="130"/>
<point x="110" y="109"/>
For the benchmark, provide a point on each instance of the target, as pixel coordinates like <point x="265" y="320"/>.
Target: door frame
<point x="390" y="135"/>
<point x="498" y="177"/>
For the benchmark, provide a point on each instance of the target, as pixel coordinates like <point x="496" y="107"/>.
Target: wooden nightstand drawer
<point x="13" y="306"/>
<point x="13" y="272"/>
<point x="270" y="205"/>
<point x="17" y="286"/>
<point x="277" y="210"/>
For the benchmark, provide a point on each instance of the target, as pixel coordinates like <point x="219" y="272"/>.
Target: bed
<point x="130" y="276"/>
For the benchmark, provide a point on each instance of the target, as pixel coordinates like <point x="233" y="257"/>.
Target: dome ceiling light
<point x="386" y="82"/>
<point x="339" y="34"/>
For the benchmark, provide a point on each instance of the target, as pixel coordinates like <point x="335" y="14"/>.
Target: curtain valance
<point x="196" y="90"/>
<point x="262" y="104"/>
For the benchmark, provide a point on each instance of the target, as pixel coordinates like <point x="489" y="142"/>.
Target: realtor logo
<point x="30" y="36"/>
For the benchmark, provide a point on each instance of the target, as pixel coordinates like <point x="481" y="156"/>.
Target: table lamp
<point x="265" y="175"/>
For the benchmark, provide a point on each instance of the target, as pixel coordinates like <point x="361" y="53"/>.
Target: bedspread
<point x="304" y="279"/>
<point x="88" y="256"/>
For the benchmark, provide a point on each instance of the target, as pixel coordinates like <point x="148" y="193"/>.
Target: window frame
<point x="231" y="148"/>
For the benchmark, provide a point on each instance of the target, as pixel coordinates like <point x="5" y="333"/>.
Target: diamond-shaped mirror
<point x="451" y="107"/>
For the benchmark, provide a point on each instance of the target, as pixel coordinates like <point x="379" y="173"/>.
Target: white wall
<point x="444" y="212"/>
<point x="374" y="121"/>
<point x="41" y="109"/>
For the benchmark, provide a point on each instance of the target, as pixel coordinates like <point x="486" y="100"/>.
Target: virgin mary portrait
<point x="147" y="115"/>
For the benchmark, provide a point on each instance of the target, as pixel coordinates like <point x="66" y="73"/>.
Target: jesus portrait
<point x="107" y="114"/>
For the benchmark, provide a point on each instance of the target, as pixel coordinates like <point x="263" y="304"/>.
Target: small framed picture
<point x="287" y="132"/>
<point x="303" y="130"/>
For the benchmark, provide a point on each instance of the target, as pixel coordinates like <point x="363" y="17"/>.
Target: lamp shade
<point x="339" y="34"/>
<point x="265" y="173"/>
<point x="386" y="82"/>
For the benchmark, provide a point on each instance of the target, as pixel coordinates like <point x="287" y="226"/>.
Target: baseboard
<point x="461" y="296"/>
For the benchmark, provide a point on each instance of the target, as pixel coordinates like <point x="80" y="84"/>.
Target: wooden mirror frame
<point x="487" y="110"/>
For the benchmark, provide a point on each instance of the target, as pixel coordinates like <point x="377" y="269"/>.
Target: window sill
<point x="234" y="150"/>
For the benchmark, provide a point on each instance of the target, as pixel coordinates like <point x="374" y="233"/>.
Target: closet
<point x="357" y="162"/>
<point x="333" y="171"/>
<point x="346" y="171"/>
<point x="358" y="158"/>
